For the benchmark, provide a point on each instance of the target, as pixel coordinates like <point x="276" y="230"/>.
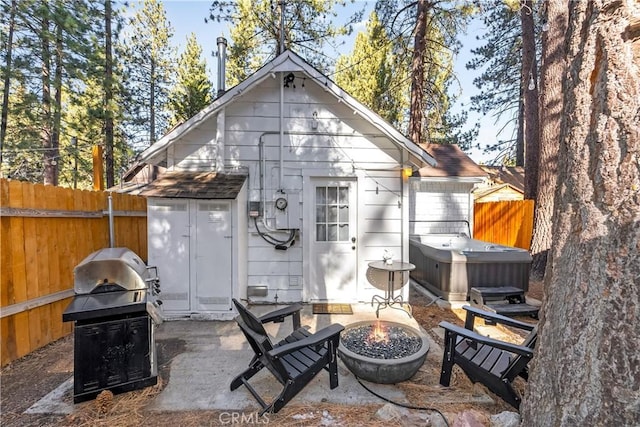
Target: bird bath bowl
<point x="382" y="352"/>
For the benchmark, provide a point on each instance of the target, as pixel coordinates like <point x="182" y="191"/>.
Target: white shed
<point x="283" y="189"/>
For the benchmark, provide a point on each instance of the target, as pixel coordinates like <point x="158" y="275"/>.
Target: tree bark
<point x="586" y="367"/>
<point x="551" y="74"/>
<point x="416" y="114"/>
<point x="152" y="104"/>
<point x="45" y="76"/>
<point x="57" y="103"/>
<point x="530" y="88"/>
<point x="7" y="77"/>
<point x="520" y="131"/>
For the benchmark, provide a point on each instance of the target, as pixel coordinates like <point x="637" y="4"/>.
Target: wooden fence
<point x="506" y="223"/>
<point x="45" y="232"/>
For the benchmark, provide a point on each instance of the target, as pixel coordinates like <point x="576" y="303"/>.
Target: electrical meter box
<point x="287" y="210"/>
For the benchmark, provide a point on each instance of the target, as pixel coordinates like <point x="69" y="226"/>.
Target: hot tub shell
<point x="450" y="265"/>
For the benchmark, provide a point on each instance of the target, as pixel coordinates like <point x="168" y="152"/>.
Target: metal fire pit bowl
<point x="384" y="371"/>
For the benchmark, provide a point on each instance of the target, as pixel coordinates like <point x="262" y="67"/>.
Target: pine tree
<point x="585" y="367"/>
<point x="193" y="89"/>
<point x="506" y="78"/>
<point x="149" y="65"/>
<point x="368" y="74"/>
<point x="255" y="36"/>
<point x="425" y="37"/>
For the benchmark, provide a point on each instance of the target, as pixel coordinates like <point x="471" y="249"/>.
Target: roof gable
<point x="288" y="61"/>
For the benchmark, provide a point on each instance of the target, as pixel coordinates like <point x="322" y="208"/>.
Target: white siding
<point x="440" y="206"/>
<point x="342" y="145"/>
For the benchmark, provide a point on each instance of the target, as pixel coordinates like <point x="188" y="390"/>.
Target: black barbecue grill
<point x="115" y="310"/>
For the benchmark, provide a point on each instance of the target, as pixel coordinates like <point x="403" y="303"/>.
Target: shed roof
<point x="194" y="185"/>
<point x="512" y="175"/>
<point x="452" y="162"/>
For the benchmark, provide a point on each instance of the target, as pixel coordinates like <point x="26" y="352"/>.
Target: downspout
<point x="112" y="238"/>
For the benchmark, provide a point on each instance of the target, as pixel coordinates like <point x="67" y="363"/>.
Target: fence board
<point x="504" y="222"/>
<point x="38" y="254"/>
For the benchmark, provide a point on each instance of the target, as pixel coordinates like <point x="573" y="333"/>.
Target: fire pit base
<point x="379" y="370"/>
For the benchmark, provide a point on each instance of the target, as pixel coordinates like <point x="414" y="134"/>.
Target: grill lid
<point x="108" y="267"/>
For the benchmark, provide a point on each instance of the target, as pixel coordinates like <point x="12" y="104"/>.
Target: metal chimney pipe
<point x="222" y="59"/>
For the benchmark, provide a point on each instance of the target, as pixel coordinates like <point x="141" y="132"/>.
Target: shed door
<point x="212" y="281"/>
<point x="169" y="234"/>
<point x="190" y="242"/>
<point x="333" y="260"/>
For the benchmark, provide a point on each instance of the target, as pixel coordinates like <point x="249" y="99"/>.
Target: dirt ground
<point x="27" y="380"/>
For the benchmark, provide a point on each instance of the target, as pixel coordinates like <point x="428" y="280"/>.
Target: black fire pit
<point x="381" y="351"/>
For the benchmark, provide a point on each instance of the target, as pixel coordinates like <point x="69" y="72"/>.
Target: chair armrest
<point x="494" y="317"/>
<point x="278" y="316"/>
<point x="319" y="337"/>
<point x="491" y="342"/>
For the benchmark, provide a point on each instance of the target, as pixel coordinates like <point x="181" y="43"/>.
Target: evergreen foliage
<point x="433" y="54"/>
<point x="309" y="30"/>
<point x="368" y="73"/>
<point x="193" y="90"/>
<point x="500" y="83"/>
<point x="148" y="60"/>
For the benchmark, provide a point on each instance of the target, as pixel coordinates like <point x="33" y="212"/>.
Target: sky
<point x="187" y="16"/>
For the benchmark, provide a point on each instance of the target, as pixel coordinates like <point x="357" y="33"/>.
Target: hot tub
<point x="450" y="265"/>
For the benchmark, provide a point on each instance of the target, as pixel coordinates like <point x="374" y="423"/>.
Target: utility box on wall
<point x="287" y="211"/>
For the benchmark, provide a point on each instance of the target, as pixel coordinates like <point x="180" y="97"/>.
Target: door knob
<point x="353" y="240"/>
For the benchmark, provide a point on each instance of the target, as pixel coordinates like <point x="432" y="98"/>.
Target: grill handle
<point x="154" y="281"/>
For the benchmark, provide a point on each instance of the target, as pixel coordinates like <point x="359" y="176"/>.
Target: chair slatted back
<point x="259" y="340"/>
<point x="519" y="363"/>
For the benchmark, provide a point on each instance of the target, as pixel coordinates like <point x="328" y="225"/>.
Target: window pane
<point x="332" y="214"/>
<point x="344" y="213"/>
<point x="321" y="196"/>
<point x="344" y="195"/>
<point x="321" y="214"/>
<point x="321" y="233"/>
<point x="332" y="232"/>
<point x="344" y="232"/>
<point x="332" y="195"/>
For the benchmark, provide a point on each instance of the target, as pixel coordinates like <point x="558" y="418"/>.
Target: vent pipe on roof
<point x="222" y="59"/>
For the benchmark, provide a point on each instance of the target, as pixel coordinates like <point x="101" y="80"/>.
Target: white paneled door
<point x="191" y="242"/>
<point x="334" y="241"/>
<point x="212" y="256"/>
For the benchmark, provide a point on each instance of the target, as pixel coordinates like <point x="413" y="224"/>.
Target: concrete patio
<point x="201" y="358"/>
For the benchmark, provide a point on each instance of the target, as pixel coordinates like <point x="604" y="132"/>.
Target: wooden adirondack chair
<point x="294" y="361"/>
<point x="491" y="362"/>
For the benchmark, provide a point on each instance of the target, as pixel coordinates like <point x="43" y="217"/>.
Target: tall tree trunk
<point x="530" y="88"/>
<point x="7" y="77"/>
<point x="152" y="104"/>
<point x="551" y="75"/>
<point x="57" y="105"/>
<point x="45" y="75"/>
<point x="586" y="365"/>
<point x="108" y="95"/>
<point x="416" y="114"/>
<point x="520" y="131"/>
